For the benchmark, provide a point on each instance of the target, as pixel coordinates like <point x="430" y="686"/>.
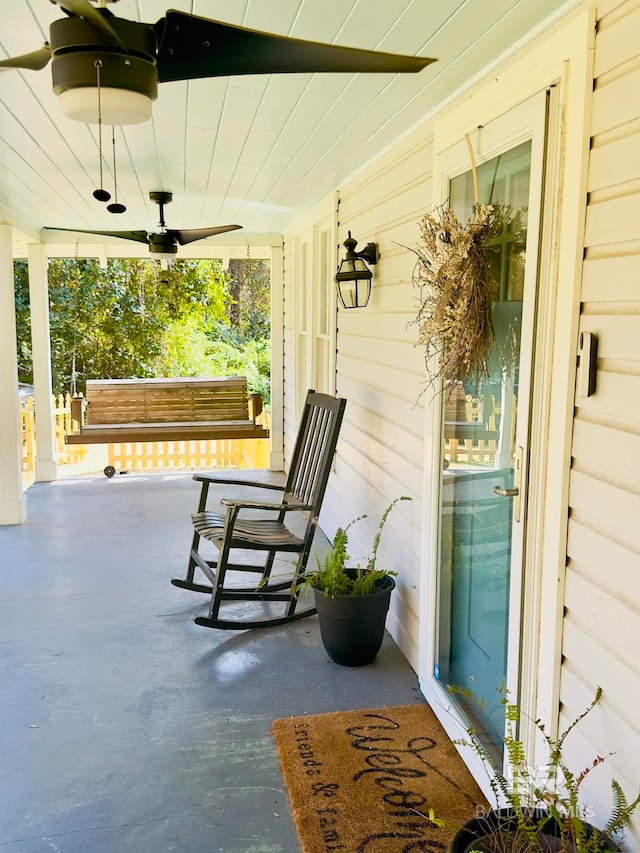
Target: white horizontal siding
<point x="618" y="30"/>
<point x="609" y="611"/>
<point x="616" y="218"/>
<point x="610" y="564"/>
<point x="618" y="332"/>
<point x="615" y="101"/>
<point x="613" y="503"/>
<point x="615" y="161"/>
<point x="617" y="451"/>
<point x="601" y="632"/>
<point x="607" y="661"/>
<point x="381" y="372"/>
<point x="611" y="275"/>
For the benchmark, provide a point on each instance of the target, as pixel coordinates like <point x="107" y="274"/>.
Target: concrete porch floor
<point x="125" y="726"/>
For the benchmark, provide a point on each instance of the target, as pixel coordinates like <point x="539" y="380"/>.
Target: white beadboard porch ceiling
<point x="251" y="150"/>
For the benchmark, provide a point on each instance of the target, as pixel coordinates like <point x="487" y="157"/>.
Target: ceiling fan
<point x="163" y="244"/>
<point x="91" y="50"/>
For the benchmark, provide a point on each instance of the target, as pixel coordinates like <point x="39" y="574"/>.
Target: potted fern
<point x="541" y="808"/>
<point x="352" y="602"/>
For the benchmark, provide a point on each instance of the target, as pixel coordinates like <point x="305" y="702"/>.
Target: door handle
<point x="506" y="493"/>
<point x="515" y="492"/>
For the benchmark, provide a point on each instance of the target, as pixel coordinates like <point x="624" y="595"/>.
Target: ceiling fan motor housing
<point x="162" y="244"/>
<point x="76" y="47"/>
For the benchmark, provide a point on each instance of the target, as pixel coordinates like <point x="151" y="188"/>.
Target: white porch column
<point x="276" y="458"/>
<point x="46" y="468"/>
<point x="13" y="504"/>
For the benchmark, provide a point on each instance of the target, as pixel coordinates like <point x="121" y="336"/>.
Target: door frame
<point x="525" y="122"/>
<point x="561" y="61"/>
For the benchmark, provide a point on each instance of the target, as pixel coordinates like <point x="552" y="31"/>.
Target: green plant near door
<point x="352" y="603"/>
<point x="331" y="576"/>
<point x="542" y="809"/>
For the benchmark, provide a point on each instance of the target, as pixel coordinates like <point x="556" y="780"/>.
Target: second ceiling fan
<point x="163" y="243"/>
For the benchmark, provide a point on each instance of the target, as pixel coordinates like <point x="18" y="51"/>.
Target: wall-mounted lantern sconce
<point x="354" y="276"/>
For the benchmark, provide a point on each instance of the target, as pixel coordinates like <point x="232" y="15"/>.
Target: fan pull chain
<point x="116" y="207"/>
<point x="101" y="194"/>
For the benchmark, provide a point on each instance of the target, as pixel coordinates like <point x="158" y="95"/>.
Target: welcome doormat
<point x="374" y="781"/>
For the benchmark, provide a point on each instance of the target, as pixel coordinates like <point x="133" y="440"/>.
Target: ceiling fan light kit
<point x="129" y="79"/>
<point x="119" y="106"/>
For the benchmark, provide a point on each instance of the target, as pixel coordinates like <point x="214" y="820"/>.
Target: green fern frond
<point x="371" y="563"/>
<point x="581" y="716"/>
<point x="365" y="581"/>
<point x="331" y="575"/>
<point x="512" y="713"/>
<point x="622" y="809"/>
<point x="515" y="750"/>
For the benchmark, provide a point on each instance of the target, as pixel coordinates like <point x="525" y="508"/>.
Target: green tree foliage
<point x="252" y="360"/>
<point x="23" y="323"/>
<point x="185" y="350"/>
<point x="112" y="323"/>
<point x="248" y="308"/>
<point x="134" y="320"/>
<point x="243" y="344"/>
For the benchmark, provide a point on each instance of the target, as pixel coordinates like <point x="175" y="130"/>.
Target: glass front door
<point x="483" y="459"/>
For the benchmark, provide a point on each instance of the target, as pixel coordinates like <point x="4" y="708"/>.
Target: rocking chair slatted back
<point x="313" y="453"/>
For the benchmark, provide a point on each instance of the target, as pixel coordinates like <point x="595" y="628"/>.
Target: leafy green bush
<point x="134" y="320"/>
<point x="331" y="575"/>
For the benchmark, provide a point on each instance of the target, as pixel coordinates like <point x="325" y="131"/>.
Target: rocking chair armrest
<point x="278" y="507"/>
<point x="231" y="481"/>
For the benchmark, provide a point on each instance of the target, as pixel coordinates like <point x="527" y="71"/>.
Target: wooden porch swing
<point x="182" y="409"/>
<point x="121" y="410"/>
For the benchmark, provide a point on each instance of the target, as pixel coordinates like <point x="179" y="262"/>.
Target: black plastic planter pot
<point x="352" y="626"/>
<point x="497" y="831"/>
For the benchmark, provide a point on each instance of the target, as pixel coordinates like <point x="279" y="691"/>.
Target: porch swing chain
<point x="73" y="383"/>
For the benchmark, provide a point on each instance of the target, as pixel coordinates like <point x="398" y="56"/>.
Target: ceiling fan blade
<point x="84" y="9"/>
<point x="191" y="47"/>
<point x="190" y="236"/>
<point x="34" y="61"/>
<point x="137" y="236"/>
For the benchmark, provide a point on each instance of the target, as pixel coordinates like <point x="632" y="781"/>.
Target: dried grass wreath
<point x="455" y="294"/>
